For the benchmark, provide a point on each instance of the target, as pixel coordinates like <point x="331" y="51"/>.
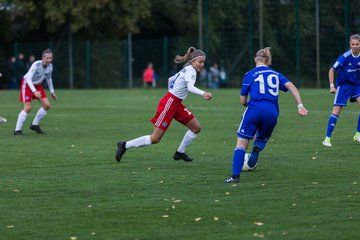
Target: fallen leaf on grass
<point x="259" y="235"/>
<point x="259" y="223"/>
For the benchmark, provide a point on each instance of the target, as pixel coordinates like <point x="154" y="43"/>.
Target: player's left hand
<point x="207" y="96"/>
<point x="302" y="111"/>
<point x="53" y="95"/>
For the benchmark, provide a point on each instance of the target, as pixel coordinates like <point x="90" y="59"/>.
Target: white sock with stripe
<point x="20" y="121"/>
<point x="187" y="140"/>
<point x="39" y="115"/>
<point x="139" y="142"/>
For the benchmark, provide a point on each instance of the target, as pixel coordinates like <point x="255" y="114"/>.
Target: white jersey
<point x="183" y="82"/>
<point x="37" y="74"/>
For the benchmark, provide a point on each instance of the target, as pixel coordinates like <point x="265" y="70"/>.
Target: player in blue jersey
<point x="348" y="85"/>
<point x="260" y="117"/>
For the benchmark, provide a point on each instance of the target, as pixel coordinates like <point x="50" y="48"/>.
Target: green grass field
<point x="66" y="184"/>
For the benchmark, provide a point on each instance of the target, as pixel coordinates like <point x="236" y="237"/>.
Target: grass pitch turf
<point x="66" y="184"/>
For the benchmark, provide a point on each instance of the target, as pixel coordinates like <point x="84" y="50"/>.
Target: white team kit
<point x="183" y="82"/>
<point x="37" y="74"/>
<point x="30" y="86"/>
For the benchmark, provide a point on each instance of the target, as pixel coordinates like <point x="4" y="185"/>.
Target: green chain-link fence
<point x="303" y="48"/>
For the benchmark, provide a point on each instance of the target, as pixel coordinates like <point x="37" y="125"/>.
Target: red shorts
<point x="169" y="108"/>
<point x="26" y="95"/>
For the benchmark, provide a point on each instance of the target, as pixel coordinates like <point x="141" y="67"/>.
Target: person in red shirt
<point x="149" y="75"/>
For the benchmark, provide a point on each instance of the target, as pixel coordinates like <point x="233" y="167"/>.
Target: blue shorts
<point x="346" y="91"/>
<point x="257" y="122"/>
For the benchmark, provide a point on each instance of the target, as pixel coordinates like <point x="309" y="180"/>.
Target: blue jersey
<point x="349" y="68"/>
<point x="263" y="85"/>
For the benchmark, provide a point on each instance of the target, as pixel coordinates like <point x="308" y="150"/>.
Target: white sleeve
<point x="195" y="90"/>
<point x="28" y="76"/>
<point x="49" y="81"/>
<point x="50" y="85"/>
<point x="190" y="78"/>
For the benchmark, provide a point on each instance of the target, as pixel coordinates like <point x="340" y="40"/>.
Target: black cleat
<point x="121" y="149"/>
<point x="232" y="180"/>
<point x="182" y="156"/>
<point x="18" y="132"/>
<point x="36" y="128"/>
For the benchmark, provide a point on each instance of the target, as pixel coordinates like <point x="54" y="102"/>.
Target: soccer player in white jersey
<point x="348" y="85"/>
<point x="170" y="107"/>
<point x="31" y="88"/>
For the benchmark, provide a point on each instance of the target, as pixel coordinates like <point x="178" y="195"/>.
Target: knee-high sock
<point x="20" y="121"/>
<point x="139" y="142"/>
<point x="41" y="113"/>
<point x="331" y="125"/>
<point x="187" y="140"/>
<point x="358" y="125"/>
<point x="258" y="146"/>
<point x="238" y="161"/>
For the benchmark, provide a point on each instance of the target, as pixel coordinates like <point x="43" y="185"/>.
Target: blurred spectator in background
<point x="214" y="76"/>
<point x="223" y="78"/>
<point x="2" y="76"/>
<point x="149" y="76"/>
<point x="30" y="61"/>
<point x="156" y="79"/>
<point x="20" y="69"/>
<point x="10" y="72"/>
<point x="204" y="78"/>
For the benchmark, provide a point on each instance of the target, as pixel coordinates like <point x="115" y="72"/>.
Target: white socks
<point x="146" y="140"/>
<point x="187" y="140"/>
<point x="138" y="142"/>
<point x="23" y="115"/>
<point x="20" y="121"/>
<point x="39" y="115"/>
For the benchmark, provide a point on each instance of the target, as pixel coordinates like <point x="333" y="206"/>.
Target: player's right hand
<point x="37" y="94"/>
<point x="332" y="90"/>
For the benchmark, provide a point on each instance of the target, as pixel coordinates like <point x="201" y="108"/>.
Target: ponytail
<point x="264" y="56"/>
<point x="190" y="55"/>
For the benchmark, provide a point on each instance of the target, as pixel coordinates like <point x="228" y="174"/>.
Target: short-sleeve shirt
<point x="349" y="68"/>
<point x="263" y="85"/>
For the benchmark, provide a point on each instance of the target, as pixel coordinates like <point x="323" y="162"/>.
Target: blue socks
<point x="254" y="157"/>
<point x="358" y="126"/>
<point x="238" y="161"/>
<point x="331" y="124"/>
